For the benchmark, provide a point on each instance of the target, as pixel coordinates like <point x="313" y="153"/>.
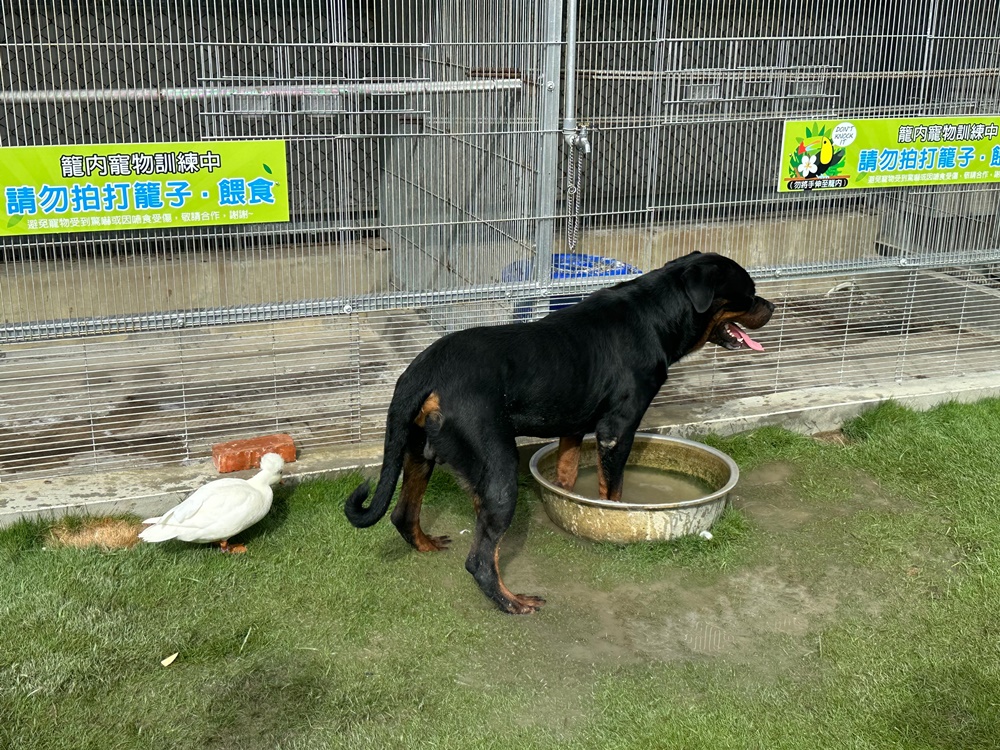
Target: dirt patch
<point x="768" y="497"/>
<point x="767" y="615"/>
<point x="740" y="615"/>
<point x="759" y="616"/>
<point x="102" y="533"/>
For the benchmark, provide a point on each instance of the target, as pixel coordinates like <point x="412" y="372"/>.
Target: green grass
<point x="849" y="601"/>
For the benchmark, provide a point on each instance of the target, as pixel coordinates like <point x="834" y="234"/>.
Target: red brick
<point x="237" y="455"/>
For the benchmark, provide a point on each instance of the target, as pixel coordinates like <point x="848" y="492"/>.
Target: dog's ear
<point x="699" y="284"/>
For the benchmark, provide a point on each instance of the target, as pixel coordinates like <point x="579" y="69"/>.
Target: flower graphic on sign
<point x="807" y="166"/>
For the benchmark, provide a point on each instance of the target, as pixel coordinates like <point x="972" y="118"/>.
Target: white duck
<point x="219" y="510"/>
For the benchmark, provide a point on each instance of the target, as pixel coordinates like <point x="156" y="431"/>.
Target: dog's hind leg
<point x="568" y="463"/>
<point x="496" y="492"/>
<point x="417" y="468"/>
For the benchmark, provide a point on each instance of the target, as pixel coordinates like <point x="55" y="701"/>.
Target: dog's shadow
<point x="447" y="510"/>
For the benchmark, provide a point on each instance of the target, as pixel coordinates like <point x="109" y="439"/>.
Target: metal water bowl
<point x="625" y="522"/>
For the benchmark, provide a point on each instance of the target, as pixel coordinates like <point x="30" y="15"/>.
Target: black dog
<point x="592" y="367"/>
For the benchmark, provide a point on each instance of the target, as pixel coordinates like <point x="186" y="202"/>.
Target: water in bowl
<point x="646" y="485"/>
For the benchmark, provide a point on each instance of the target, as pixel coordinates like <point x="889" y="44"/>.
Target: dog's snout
<point x="758" y="314"/>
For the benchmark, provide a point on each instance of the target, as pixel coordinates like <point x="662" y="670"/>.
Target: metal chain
<point x="574" y="180"/>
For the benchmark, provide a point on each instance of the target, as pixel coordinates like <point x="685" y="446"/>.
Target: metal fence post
<point x="548" y="143"/>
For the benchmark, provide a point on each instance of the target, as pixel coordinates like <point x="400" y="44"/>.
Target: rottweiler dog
<point x="591" y="367"/>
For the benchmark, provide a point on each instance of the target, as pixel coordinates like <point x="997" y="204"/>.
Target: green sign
<point x="124" y="186"/>
<point x="844" y="154"/>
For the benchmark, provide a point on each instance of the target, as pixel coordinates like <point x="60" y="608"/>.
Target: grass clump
<point x="848" y="600"/>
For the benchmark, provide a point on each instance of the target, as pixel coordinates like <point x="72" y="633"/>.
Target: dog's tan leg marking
<point x="516" y="604"/>
<point x="602" y="484"/>
<point x="406" y="514"/>
<point x="569" y="461"/>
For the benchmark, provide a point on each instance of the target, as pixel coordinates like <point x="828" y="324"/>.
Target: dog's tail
<point x="404" y="407"/>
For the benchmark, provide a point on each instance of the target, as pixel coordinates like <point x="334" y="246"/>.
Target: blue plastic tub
<point x="565" y="266"/>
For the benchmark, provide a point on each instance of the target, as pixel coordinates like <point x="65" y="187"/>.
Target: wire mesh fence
<point x="431" y="185"/>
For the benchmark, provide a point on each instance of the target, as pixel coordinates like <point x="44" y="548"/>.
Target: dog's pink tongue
<point x="742" y="336"/>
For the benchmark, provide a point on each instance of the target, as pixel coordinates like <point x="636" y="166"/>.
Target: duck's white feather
<point x="218" y="510"/>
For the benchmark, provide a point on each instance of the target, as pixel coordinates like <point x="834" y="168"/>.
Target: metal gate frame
<point x="598" y="106"/>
